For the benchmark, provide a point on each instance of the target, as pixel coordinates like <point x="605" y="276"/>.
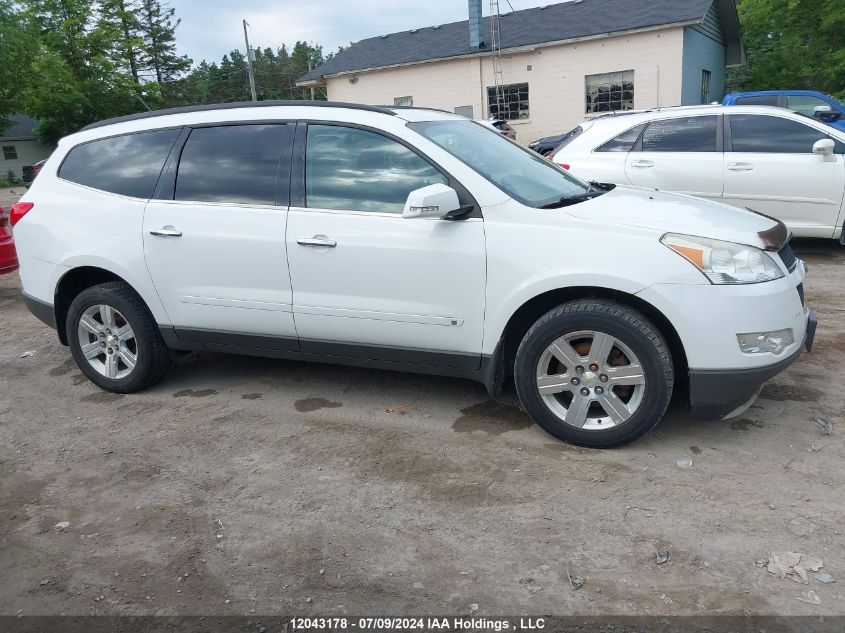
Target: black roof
<point x="236" y="105"/>
<point x="552" y="23"/>
<point x="21" y="128"/>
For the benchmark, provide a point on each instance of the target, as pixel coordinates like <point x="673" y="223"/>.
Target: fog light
<point x="765" y="342"/>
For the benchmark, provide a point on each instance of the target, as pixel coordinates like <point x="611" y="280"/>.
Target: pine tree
<point x="121" y="16"/>
<point x="159" y="54"/>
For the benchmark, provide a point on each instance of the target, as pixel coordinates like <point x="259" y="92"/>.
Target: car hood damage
<point x="673" y="213"/>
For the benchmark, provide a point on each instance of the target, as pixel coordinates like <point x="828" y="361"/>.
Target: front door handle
<point x="740" y="166"/>
<point x="316" y="241"/>
<point x="166" y="231"/>
<point x="642" y="164"/>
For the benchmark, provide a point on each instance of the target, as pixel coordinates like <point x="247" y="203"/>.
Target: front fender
<point x="506" y="306"/>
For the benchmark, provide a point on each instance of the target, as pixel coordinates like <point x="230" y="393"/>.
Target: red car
<point x="8" y="255"/>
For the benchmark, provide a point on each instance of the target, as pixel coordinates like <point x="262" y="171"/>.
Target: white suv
<point x="407" y="239"/>
<point x="771" y="160"/>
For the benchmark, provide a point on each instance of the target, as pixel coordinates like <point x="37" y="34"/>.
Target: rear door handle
<point x="166" y="231"/>
<point x="316" y="241"/>
<point x="740" y="166"/>
<point x="642" y="164"/>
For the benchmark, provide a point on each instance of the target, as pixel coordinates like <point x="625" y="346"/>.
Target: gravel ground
<point x="243" y="485"/>
<point x="8" y="197"/>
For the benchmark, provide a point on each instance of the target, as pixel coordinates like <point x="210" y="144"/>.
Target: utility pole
<point x="249" y="65"/>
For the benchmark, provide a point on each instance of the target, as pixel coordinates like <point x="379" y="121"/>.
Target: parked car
<point x="8" y="255"/>
<point x="549" y="144"/>
<point x="31" y="171"/>
<point x="807" y="102"/>
<point x="428" y="245"/>
<point x="770" y="160"/>
<point x="500" y="126"/>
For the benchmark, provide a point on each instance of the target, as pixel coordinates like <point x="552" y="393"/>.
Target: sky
<point x="211" y="28"/>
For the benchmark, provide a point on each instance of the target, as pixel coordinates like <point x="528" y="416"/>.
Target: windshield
<point x="521" y="173"/>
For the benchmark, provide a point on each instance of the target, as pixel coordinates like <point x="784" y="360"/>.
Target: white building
<point x="560" y="63"/>
<point x="19" y="146"/>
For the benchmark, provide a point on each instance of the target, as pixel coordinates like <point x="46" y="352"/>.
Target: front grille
<point x="787" y="256"/>
<point x="801" y="293"/>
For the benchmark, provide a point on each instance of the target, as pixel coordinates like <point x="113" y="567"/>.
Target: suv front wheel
<point x="114" y="340"/>
<point x="594" y="373"/>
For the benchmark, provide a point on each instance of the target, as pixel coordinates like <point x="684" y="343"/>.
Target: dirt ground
<point x="9" y="196"/>
<point x="242" y="485"/>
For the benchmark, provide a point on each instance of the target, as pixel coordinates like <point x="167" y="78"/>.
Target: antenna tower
<point x="496" y="57"/>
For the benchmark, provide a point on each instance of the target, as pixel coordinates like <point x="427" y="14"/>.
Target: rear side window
<point x="690" y="134"/>
<point x="760" y="100"/>
<point x="231" y="163"/>
<point x="774" y="135"/>
<point x="128" y="165"/>
<point x="624" y="142"/>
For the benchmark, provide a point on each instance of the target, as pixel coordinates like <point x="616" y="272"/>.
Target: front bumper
<point x="718" y="393"/>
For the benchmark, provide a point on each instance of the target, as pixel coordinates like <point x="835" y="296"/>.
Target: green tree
<point x="123" y="28"/>
<point x="18" y="48"/>
<point x="158" y="31"/>
<point x="74" y="80"/>
<point x="793" y="44"/>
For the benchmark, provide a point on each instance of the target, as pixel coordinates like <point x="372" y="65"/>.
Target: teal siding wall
<point x="704" y="49"/>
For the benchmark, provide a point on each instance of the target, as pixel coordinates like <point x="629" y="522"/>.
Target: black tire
<point x="627" y="326"/>
<point x="153" y="357"/>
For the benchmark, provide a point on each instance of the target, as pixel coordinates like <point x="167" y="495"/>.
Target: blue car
<point x="807" y="102"/>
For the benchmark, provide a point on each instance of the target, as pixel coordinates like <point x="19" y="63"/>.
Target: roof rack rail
<point x="236" y="105"/>
<point x="417" y="108"/>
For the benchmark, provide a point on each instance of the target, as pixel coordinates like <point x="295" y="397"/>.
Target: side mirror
<point x="824" y="147"/>
<point x="434" y="201"/>
<point x="825" y="113"/>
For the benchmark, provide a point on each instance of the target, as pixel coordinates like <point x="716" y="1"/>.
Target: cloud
<point x="211" y="28"/>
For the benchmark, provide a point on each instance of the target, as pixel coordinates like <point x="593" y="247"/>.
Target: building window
<point x="705" y="86"/>
<point x="403" y="102"/>
<point x="610" y="92"/>
<point x="511" y="104"/>
<point x="465" y="111"/>
<point x="9" y="152"/>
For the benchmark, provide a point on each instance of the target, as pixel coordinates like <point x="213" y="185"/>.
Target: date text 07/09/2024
<point x="417" y="624"/>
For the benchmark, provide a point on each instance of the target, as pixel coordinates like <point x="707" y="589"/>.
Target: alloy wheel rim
<point x="590" y="380"/>
<point x="107" y="341"/>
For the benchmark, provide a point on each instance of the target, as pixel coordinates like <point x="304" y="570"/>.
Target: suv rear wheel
<point x="114" y="340"/>
<point x="594" y="373"/>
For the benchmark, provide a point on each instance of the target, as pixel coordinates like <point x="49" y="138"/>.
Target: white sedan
<point x="771" y="160"/>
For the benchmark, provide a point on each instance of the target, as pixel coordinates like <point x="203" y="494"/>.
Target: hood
<point x="675" y="213"/>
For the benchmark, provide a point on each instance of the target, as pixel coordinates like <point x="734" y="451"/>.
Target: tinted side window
<point x="355" y="170"/>
<point x="771" y="100"/>
<point x="128" y="164"/>
<point x="690" y="134"/>
<point x="624" y="142"/>
<point x="231" y="163"/>
<point x="769" y="134"/>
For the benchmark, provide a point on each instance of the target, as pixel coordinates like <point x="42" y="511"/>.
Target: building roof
<point x="530" y="27"/>
<point x="21" y="128"/>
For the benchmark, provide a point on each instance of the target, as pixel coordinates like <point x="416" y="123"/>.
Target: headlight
<point x="724" y="262"/>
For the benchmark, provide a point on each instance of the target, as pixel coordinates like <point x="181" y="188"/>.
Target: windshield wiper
<point x="566" y="201"/>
